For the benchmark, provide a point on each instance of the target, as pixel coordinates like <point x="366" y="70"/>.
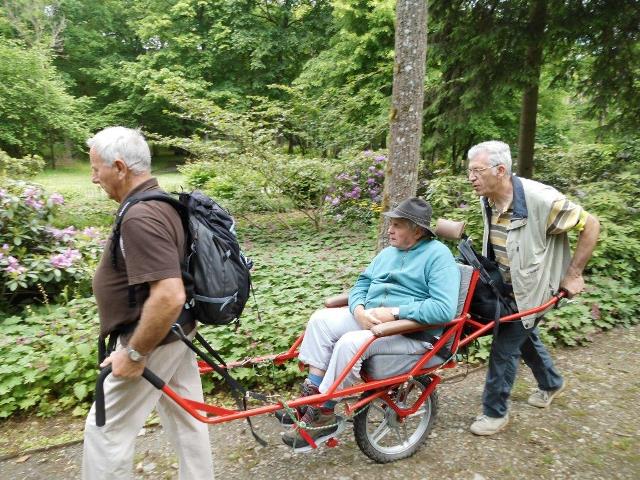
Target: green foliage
<point x="49" y="359"/>
<point x="37" y="260"/>
<point x="605" y="304"/>
<point x="34" y="105"/>
<point x="20" y="167"/>
<point x="238" y="159"/>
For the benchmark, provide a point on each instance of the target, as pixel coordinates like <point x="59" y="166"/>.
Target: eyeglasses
<point x="476" y="171"/>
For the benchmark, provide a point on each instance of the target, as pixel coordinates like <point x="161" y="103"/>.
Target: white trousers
<point x="332" y="338"/>
<point x="109" y="450"/>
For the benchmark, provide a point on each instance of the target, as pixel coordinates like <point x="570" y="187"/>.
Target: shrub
<point x="198" y="173"/>
<point x="20" y="167"/>
<point x="356" y="193"/>
<point x="37" y="260"/>
<point x="244" y="191"/>
<point x="563" y="168"/>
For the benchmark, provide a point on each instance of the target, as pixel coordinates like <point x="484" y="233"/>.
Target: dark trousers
<point x="515" y="341"/>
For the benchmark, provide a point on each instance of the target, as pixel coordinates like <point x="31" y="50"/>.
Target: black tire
<point x="383" y="436"/>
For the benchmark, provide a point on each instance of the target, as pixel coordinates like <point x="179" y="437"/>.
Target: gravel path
<point x="591" y="432"/>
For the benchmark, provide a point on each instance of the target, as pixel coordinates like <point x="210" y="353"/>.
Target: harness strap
<point x="237" y="390"/>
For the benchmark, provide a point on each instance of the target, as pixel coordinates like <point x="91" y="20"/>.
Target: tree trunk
<point x="529" y="111"/>
<point x="405" y="134"/>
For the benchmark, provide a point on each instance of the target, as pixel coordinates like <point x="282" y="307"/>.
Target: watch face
<point x="134" y="355"/>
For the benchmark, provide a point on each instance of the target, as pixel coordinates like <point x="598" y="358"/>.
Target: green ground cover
<point x="49" y="351"/>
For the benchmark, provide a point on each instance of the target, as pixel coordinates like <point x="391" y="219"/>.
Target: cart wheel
<point x="383" y="436"/>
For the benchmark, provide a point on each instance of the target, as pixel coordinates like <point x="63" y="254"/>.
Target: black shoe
<point x="306" y="390"/>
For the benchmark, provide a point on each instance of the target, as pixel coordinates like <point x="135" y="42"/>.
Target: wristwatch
<point x="134" y="355"/>
<point x="395" y="311"/>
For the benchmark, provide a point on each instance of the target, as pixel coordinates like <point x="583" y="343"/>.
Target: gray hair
<point x="122" y="143"/>
<point x="414" y="227"/>
<point x="499" y="153"/>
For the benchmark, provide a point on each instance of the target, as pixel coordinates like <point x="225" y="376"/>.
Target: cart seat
<point x="383" y="366"/>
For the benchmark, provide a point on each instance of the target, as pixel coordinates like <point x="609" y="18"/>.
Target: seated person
<point x="414" y="278"/>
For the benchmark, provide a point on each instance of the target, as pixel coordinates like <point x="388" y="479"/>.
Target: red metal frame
<point x="379" y="388"/>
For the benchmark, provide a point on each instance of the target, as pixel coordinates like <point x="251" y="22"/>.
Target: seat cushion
<point x="384" y="366"/>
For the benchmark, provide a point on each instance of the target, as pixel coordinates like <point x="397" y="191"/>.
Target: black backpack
<point x="215" y="272"/>
<point x="491" y="298"/>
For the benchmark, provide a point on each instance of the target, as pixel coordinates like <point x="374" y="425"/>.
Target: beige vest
<point x="538" y="261"/>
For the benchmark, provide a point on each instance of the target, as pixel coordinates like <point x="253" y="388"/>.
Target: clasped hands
<point x="367" y="319"/>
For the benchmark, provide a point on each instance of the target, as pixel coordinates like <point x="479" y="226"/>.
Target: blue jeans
<point x="515" y="341"/>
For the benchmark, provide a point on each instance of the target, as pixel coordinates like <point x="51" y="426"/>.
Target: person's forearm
<point x="159" y="312"/>
<point x="585" y="246"/>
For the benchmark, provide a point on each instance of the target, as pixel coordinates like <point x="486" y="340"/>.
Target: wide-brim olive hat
<point x="417" y="210"/>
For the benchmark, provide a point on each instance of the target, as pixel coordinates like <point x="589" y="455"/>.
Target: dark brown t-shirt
<point x="152" y="238"/>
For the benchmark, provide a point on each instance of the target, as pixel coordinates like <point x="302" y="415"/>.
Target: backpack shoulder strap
<point x="143" y="197"/>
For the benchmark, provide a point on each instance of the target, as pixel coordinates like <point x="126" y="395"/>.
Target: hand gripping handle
<point x="101" y="419"/>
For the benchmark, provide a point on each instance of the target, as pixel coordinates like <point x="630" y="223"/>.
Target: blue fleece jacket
<point x="423" y="282"/>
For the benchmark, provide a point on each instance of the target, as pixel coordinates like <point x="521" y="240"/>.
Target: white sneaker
<point x="543" y="398"/>
<point x="485" y="425"/>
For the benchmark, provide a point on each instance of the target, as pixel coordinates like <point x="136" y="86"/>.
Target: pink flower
<point x="31" y="192"/>
<point x="56" y="198"/>
<point x="33" y="203"/>
<point x="65" y="259"/>
<point x="14" y="266"/>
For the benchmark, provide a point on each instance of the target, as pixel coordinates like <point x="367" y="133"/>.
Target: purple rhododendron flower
<point x="65" y="259"/>
<point x="342" y="176"/>
<point x="5" y="247"/>
<point x="367" y="153"/>
<point x="33" y="203"/>
<point x="335" y="202"/>
<point x="355" y="193"/>
<point x="56" y="198"/>
<point x="91" y="232"/>
<point x="14" y="266"/>
<point x="31" y="192"/>
<point x="380" y="159"/>
<point x="371" y="181"/>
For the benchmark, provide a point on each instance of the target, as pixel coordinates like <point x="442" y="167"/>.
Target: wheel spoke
<point x="380" y="432"/>
<point x="398" y="433"/>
